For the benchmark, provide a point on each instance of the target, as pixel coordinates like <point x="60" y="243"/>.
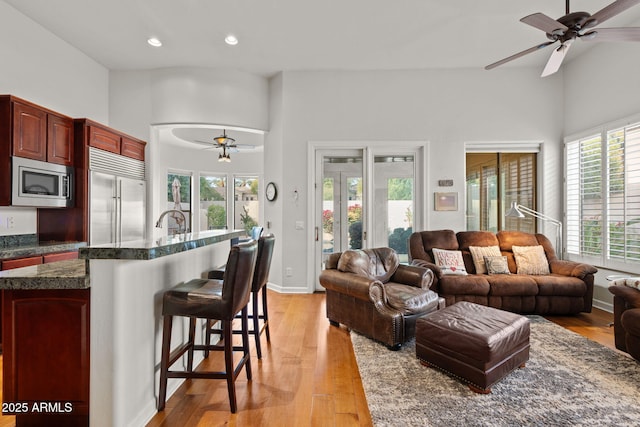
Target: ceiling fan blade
<point x="518" y="55"/>
<point x="545" y="23"/>
<point x="613" y="9"/>
<point x="615" y="35"/>
<point x="556" y="59"/>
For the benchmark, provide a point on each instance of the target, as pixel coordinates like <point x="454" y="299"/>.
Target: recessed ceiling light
<point x="154" y="42"/>
<point x="231" y="40"/>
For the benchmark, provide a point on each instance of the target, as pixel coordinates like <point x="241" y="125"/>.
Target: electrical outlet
<point x="10" y="223"/>
<point x="288" y="271"/>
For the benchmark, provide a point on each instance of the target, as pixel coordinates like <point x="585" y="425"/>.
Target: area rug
<point x="568" y="381"/>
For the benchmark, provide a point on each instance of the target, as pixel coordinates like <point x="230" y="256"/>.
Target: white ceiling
<point x="278" y="35"/>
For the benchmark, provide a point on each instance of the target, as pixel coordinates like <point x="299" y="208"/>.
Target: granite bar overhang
<point x="160" y="247"/>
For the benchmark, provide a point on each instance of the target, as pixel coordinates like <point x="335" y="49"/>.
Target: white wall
<point x="41" y="68"/>
<point x="445" y="107"/>
<point x="602" y="86"/>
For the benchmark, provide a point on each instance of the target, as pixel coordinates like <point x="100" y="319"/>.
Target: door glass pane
<point x="327" y="215"/>
<point x="247" y="207"/>
<point x="393" y="202"/>
<point x="213" y="202"/>
<point x="178" y="198"/>
<point x="342" y="202"/>
<point x="354" y="211"/>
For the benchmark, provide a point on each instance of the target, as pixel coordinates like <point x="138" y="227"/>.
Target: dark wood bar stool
<point x="212" y="300"/>
<point x="258" y="291"/>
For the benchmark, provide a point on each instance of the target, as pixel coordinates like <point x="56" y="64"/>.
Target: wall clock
<point x="271" y="192"/>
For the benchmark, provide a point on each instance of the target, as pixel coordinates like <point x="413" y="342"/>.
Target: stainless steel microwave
<point x="41" y="184"/>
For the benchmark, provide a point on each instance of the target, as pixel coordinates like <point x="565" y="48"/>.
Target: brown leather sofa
<point x="568" y="289"/>
<point x="626" y="319"/>
<point x="370" y="292"/>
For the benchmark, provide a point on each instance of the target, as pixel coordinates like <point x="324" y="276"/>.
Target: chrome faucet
<point x="163" y="214"/>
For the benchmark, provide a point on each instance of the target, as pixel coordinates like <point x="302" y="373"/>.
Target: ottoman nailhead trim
<point x="464" y="380"/>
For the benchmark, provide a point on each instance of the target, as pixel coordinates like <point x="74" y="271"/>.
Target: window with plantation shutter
<point x="603" y="198"/>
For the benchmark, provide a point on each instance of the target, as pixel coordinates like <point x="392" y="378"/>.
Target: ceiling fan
<point x="572" y="26"/>
<point x="227" y="144"/>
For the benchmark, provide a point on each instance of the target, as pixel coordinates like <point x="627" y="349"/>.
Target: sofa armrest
<point x="413" y="275"/>
<point x="431" y="266"/>
<point x="629" y="294"/>
<point x="346" y="283"/>
<point x="571" y="268"/>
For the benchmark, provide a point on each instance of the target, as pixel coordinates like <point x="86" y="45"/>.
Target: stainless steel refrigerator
<point x="117" y="208"/>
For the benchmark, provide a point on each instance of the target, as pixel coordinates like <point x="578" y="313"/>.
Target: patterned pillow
<point x="531" y="260"/>
<point x="497" y="264"/>
<point x="450" y="262"/>
<point x="479" y="252"/>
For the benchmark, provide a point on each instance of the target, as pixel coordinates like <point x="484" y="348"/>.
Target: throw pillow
<point x="531" y="260"/>
<point x="479" y="252"/>
<point x="497" y="264"/>
<point x="450" y="262"/>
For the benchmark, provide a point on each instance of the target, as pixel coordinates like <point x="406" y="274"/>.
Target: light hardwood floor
<point x="307" y="376"/>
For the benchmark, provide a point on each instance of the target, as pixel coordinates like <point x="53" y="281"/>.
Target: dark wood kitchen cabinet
<point x="31" y="131"/>
<point x="72" y="224"/>
<point x="102" y="137"/>
<point x="46" y="345"/>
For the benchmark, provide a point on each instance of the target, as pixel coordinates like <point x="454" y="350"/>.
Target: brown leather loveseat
<point x="565" y="287"/>
<point x="370" y="292"/>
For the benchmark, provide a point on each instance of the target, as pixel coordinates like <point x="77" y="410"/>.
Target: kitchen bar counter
<point x="70" y="274"/>
<point x="159" y="247"/>
<point x="128" y="282"/>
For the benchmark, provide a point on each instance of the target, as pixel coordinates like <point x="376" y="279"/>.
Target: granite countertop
<point x="70" y="274"/>
<point x="159" y="246"/>
<point x="22" y="251"/>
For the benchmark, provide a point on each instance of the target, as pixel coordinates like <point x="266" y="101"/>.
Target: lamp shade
<point x="514" y="212"/>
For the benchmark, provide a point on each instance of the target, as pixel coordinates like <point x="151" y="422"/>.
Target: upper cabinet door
<point x="60" y="140"/>
<point x="132" y="148"/>
<point x="29" y="132"/>
<point x="103" y="139"/>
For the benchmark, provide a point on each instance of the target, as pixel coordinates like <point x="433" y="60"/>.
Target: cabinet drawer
<point x="132" y="148"/>
<point x="21" y="262"/>
<point x="103" y="139"/>
<point x="60" y="256"/>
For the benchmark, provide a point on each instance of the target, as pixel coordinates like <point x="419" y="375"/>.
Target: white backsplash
<point x="18" y="221"/>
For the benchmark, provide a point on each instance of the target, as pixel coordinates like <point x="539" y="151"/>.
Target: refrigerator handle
<point x="118" y="211"/>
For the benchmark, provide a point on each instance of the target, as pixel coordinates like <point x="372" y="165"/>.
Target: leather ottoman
<point x="478" y="344"/>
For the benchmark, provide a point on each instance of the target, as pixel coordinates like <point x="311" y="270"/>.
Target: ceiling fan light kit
<point x="572" y="26"/>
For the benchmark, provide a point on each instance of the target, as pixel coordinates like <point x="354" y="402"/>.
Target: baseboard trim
<point x="603" y="305"/>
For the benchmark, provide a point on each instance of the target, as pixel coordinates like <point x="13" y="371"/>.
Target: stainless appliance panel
<point x="40" y="184"/>
<point x="117" y="209"/>
<point x="102" y="209"/>
<point x="132" y="215"/>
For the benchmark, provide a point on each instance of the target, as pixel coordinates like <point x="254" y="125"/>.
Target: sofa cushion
<point x="409" y="299"/>
<point x="450" y="262"/>
<point x="497" y="264"/>
<point x="421" y="243"/>
<point x="560" y="285"/>
<point x="531" y="259"/>
<point x="512" y="285"/>
<point x="479" y="252"/>
<point x="378" y="264"/>
<point x="464" y="285"/>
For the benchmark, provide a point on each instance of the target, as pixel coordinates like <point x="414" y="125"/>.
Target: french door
<point x="365" y="197"/>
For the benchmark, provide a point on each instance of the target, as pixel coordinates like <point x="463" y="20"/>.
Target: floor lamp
<point x="516" y="211"/>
